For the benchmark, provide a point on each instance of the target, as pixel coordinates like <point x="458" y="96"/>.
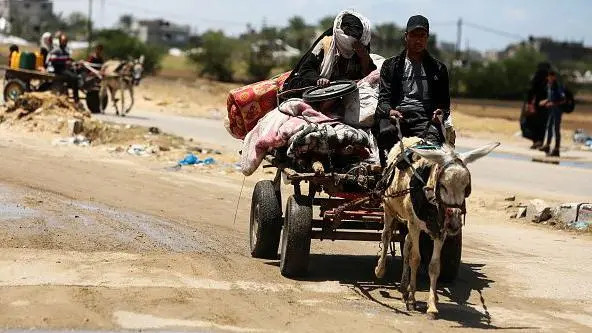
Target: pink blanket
<point x="275" y="129"/>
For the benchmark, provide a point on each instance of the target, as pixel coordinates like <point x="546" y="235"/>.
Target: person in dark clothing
<point x="340" y="53"/>
<point x="97" y="57"/>
<point x="60" y="62"/>
<point x="414" y="89"/>
<point x="555" y="97"/>
<point x="533" y="120"/>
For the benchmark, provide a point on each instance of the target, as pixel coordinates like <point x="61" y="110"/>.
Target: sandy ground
<point x="93" y="240"/>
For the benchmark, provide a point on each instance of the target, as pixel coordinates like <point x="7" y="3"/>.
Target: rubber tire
<point x="264" y="236"/>
<point x="450" y="258"/>
<point x="14" y="84"/>
<point x="295" y="250"/>
<point x="93" y="102"/>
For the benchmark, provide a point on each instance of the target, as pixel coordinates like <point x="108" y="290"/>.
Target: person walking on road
<point x="555" y="97"/>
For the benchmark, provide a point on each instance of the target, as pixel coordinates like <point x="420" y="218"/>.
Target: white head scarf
<point x="342" y="44"/>
<point x="45" y="40"/>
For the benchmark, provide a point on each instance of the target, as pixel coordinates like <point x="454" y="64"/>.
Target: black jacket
<point x="391" y="93"/>
<point x="307" y="71"/>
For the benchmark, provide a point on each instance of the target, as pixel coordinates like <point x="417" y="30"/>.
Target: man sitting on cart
<point x="96" y="59"/>
<point x="60" y="62"/>
<point x="340" y="53"/>
<point x="414" y="91"/>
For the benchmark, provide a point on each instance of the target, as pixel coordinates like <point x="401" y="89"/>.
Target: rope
<point x="238" y="201"/>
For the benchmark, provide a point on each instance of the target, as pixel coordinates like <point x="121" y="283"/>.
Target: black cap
<point x="418" y="22"/>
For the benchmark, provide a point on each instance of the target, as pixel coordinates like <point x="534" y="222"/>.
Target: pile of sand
<point x="52" y="114"/>
<point x="41" y="112"/>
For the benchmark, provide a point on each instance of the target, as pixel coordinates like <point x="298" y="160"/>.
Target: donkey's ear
<point x="437" y="156"/>
<point x="473" y="155"/>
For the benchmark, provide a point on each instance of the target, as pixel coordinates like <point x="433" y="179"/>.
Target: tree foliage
<point x="119" y="45"/>
<point x="216" y="55"/>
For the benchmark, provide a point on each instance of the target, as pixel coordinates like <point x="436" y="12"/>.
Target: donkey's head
<point x="452" y="182"/>
<point x="137" y="70"/>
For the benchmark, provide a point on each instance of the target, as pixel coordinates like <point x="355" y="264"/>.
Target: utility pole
<point x="455" y="68"/>
<point x="89" y="28"/>
<point x="458" y="37"/>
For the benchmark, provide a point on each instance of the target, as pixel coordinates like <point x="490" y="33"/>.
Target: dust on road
<point x="92" y="241"/>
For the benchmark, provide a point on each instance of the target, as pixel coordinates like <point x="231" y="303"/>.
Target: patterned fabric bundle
<point x="246" y="105"/>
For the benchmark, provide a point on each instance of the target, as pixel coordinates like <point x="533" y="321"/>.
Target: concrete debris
<point x="78" y="140"/>
<point x="538" y="211"/>
<point x="154" y="130"/>
<point x="75" y="126"/>
<point x="575" y="215"/>
<point x="521" y="212"/>
<point x="512" y="198"/>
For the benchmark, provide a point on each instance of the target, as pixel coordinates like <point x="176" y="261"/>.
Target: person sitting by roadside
<point x="414" y="91"/>
<point x="60" y="62"/>
<point x="555" y="97"/>
<point x="340" y="53"/>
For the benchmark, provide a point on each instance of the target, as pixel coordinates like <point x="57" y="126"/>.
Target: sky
<point x="509" y="20"/>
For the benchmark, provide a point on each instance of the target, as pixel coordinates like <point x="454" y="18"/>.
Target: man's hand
<point x="438" y="114"/>
<point x="395" y="114"/>
<point x="323" y="82"/>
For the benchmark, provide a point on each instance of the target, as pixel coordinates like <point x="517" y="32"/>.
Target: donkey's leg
<point x="404" y="286"/>
<point x="434" y="271"/>
<point x="414" y="261"/>
<point x="113" y="92"/>
<point x="122" y="90"/>
<point x="102" y="94"/>
<point x="387" y="232"/>
<point x="131" y="92"/>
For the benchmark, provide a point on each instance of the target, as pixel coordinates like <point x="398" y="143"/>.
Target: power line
<point x="494" y="31"/>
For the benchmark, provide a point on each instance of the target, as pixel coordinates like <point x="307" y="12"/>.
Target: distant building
<point x="280" y="50"/>
<point x="161" y="32"/>
<point x="555" y="52"/>
<point x="29" y="16"/>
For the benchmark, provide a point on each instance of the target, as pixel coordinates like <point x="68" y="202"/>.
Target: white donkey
<point x="119" y="77"/>
<point x="439" y="212"/>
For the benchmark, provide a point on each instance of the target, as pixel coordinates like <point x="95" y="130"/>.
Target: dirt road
<point x="92" y="241"/>
<point x="503" y="172"/>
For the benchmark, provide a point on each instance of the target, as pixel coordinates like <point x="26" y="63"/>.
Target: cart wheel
<point x="93" y="101"/>
<point x="266" y="221"/>
<point x="449" y="258"/>
<point x="13" y="89"/>
<point x="296" y="237"/>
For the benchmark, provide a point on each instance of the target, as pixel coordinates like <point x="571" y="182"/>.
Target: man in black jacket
<point x="414" y="89"/>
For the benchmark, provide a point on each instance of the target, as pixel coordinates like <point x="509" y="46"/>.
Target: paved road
<point x="500" y="172"/>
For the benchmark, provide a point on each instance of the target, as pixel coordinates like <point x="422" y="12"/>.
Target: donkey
<point x="121" y="76"/>
<point x="440" y="177"/>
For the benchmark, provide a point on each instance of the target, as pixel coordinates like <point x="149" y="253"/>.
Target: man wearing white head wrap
<point x="341" y="53"/>
<point x="45" y="45"/>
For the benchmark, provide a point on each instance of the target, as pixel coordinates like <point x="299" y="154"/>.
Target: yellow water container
<point x="15" y="60"/>
<point x="38" y="60"/>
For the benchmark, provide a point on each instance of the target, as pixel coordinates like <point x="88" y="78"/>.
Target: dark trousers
<point x="72" y="80"/>
<point x="387" y="136"/>
<point x="554" y="126"/>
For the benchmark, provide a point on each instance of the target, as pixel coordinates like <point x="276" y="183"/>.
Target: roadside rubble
<point x="576" y="216"/>
<point x="582" y="139"/>
<point x="64" y="125"/>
